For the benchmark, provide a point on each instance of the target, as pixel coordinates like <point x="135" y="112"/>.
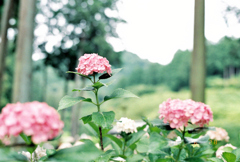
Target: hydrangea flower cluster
<point x="178" y="112"/>
<point x="35" y="119"/>
<point x="126" y="125"/>
<point x="219" y="134"/>
<point x="90" y="63"/>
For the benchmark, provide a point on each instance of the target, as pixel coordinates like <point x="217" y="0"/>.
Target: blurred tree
<point x="23" y="60"/>
<point x="75" y="26"/>
<point x="198" y="67"/>
<point x="1" y="12"/>
<point x="7" y="13"/>
<point x="177" y="72"/>
<point x="223" y="58"/>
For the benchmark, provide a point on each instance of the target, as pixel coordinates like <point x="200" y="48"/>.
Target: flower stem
<point x="181" y="146"/>
<point x="124" y="145"/>
<point x="98" y="107"/>
<point x="101" y="140"/>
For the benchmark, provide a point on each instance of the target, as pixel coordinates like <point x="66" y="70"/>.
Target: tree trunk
<point x="63" y="112"/>
<point x="45" y="83"/>
<point x="225" y="76"/>
<point x="198" y="65"/>
<point x="231" y="72"/>
<point x="4" y="41"/>
<point x="23" y="60"/>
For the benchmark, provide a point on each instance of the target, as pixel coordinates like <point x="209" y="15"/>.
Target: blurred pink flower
<point x="178" y="112"/>
<point x="219" y="134"/>
<point x="90" y="63"/>
<point x="35" y="119"/>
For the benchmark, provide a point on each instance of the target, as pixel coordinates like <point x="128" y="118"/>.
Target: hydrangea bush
<point x="179" y="134"/>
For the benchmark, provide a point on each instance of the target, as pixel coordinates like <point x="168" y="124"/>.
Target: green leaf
<point x="57" y="137"/>
<point x="160" y="124"/>
<point x="175" y="152"/>
<point x="227" y="149"/>
<point x="103" y="119"/>
<point x="156" y="157"/>
<point x="109" y="83"/>
<point x="143" y="145"/>
<point x="237" y="153"/>
<point x="15" y="157"/>
<point x="50" y="152"/>
<point x="135" y="137"/>
<point x="43" y="158"/>
<point x="106" y="142"/>
<point x="103" y="158"/>
<point x="214" y="159"/>
<point x="84" y="89"/>
<point x="31" y="148"/>
<point x="157" y="142"/>
<point x="120" y="93"/>
<point x="98" y="85"/>
<point x="26" y="138"/>
<point x="200" y="140"/>
<point x="106" y="130"/>
<point x="94" y="127"/>
<point x="194" y="159"/>
<point x="147" y="121"/>
<point x="106" y="75"/>
<point x="164" y="160"/>
<point x="80" y="153"/>
<point x="141" y="127"/>
<point x="86" y="119"/>
<point x="207" y="152"/>
<point x="79" y="74"/>
<point x="116" y="148"/>
<point x="115" y="139"/>
<point x="135" y="157"/>
<point x="229" y="157"/>
<point x="7" y="154"/>
<point x="68" y="101"/>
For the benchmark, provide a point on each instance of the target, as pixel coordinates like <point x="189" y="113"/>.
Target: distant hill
<point x="141" y="71"/>
<point x="131" y="61"/>
<point x="129" y="58"/>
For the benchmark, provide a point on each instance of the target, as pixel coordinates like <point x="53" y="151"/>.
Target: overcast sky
<point x="156" y="29"/>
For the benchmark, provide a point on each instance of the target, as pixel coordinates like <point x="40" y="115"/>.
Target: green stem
<point x="124" y="145"/>
<point x="98" y="107"/>
<point x="181" y="146"/>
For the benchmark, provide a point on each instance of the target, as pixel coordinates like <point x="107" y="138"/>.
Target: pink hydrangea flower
<point x="178" y="112"/>
<point x="35" y="119"/>
<point x="90" y="63"/>
<point x="219" y="134"/>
